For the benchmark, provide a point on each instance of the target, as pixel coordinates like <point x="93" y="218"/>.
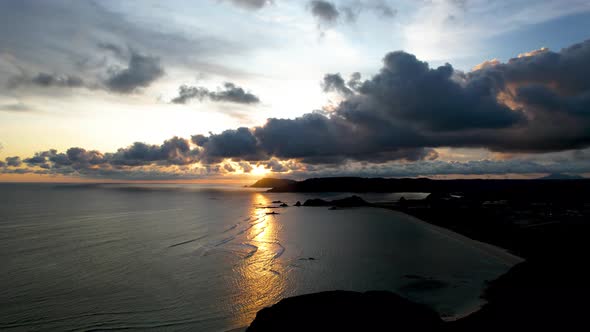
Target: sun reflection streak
<point x="261" y="280"/>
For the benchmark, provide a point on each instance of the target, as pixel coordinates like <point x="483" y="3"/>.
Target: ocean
<point x="97" y="257"/>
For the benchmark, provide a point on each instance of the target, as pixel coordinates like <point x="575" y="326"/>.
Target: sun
<point x="260" y="171"/>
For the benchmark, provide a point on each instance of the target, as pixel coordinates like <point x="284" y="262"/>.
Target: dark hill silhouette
<point x="476" y="188"/>
<point x="352" y="201"/>
<point x="271" y="183"/>
<point x="346" y="311"/>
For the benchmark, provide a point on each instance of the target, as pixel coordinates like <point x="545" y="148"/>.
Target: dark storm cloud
<point x="229" y="93"/>
<point x="324" y="11"/>
<point x="238" y="144"/>
<point x="335" y="83"/>
<point x="13" y="161"/>
<point x="552" y="89"/>
<point x="409" y="108"/>
<point x="175" y="151"/>
<point x="140" y="73"/>
<point x="407" y="90"/>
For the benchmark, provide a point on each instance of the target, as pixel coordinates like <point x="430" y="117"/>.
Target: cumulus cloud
<point x="230" y="93"/>
<point x="140" y="73"/>
<point x="238" y="144"/>
<point x="393" y="121"/>
<point x="13" y="161"/>
<point x="335" y="83"/>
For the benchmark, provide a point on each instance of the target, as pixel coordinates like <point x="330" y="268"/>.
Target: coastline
<point x="541" y="230"/>
<point x="487" y="248"/>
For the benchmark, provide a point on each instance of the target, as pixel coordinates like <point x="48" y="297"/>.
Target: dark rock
<point x="346" y="311"/>
<point x="273" y="212"/>
<point x="298" y="203"/>
<point x="277" y="202"/>
<point x="284" y="205"/>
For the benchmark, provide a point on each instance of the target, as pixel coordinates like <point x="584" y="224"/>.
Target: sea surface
<point x="98" y="257"/>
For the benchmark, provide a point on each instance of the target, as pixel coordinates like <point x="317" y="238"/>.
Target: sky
<point x="234" y="90"/>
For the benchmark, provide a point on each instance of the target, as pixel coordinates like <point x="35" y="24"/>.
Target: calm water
<point x="187" y="257"/>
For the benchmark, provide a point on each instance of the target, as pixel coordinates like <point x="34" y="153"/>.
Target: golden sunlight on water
<point x="261" y="280"/>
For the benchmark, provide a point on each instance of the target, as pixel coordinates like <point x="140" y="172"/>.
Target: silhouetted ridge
<point x="486" y="189"/>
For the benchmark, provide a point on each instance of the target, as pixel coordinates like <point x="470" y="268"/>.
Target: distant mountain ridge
<point x="485" y="189"/>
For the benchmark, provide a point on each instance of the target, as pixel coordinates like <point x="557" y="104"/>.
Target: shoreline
<point x="542" y="236"/>
<point x="487" y="248"/>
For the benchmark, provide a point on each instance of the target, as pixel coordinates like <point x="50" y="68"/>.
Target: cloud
<point x="229" y="93"/>
<point x="140" y="73"/>
<point x="13" y="161"/>
<point x="15" y="107"/>
<point x="246" y="167"/>
<point x="353" y="9"/>
<point x="335" y="83"/>
<point x="392" y="122"/>
<point x="324" y="11"/>
<point x="84" y="44"/>
<point x="229" y="168"/>
<point x="240" y="144"/>
<point x="46" y="80"/>
<point x="328" y="14"/>
<point x="252" y="4"/>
